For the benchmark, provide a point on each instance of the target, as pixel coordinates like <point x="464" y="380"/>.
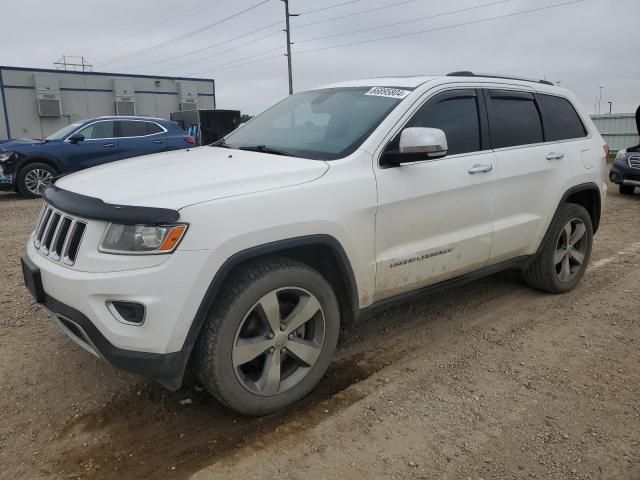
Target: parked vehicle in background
<point x="26" y="166"/>
<point x="327" y="207"/>
<point x="625" y="170"/>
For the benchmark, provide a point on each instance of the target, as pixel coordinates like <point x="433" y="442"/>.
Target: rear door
<point x="140" y="137"/>
<point x="100" y="145"/>
<point x="434" y="218"/>
<point x="532" y="173"/>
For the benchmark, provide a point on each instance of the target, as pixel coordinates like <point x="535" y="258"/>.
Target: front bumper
<point x="171" y="293"/>
<point x="622" y="174"/>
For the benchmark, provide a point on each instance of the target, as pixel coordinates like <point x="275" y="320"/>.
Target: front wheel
<point x="33" y="178"/>
<point x="270" y="336"/>
<point x="565" y="253"/>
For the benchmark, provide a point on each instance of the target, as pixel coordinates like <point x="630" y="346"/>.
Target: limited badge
<point x="388" y="92"/>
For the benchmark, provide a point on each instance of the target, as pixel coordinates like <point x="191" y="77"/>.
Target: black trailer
<point x="207" y="126"/>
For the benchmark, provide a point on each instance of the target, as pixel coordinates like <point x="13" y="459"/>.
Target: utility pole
<point x="600" y="99"/>
<point x="288" y="30"/>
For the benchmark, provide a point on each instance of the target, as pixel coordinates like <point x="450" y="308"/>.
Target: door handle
<point x="480" y="169"/>
<point x="158" y="141"/>
<point x="555" y="156"/>
<point x="109" y="145"/>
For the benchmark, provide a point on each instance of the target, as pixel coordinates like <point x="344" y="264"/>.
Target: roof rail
<point x="466" y="73"/>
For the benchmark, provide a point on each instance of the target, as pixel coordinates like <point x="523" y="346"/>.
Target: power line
<point x="226" y="51"/>
<point x="451" y="12"/>
<point x="329" y="7"/>
<point x="185" y="15"/>
<point x="389" y="37"/>
<point x="241" y="64"/>
<point x="182" y="37"/>
<point x="404" y="2"/>
<point x="217" y="67"/>
<point x="213" y="45"/>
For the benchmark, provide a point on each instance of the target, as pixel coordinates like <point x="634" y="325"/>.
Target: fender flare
<point x="589" y="186"/>
<point x="271" y="248"/>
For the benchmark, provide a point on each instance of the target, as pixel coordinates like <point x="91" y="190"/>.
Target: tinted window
<point x="457" y="117"/>
<point x="514" y="121"/>
<point x="129" y="128"/>
<point x="153" y="128"/>
<point x="98" y="130"/>
<point x="561" y="121"/>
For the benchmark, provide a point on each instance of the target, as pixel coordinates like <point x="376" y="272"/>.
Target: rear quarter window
<point x="560" y="119"/>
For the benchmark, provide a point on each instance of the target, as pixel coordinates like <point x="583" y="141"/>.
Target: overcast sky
<point x="583" y="45"/>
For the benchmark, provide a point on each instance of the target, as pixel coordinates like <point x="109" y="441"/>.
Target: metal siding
<point x="618" y="130"/>
<point x="88" y="95"/>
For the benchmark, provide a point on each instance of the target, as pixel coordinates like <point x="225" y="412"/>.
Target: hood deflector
<point x="96" y="209"/>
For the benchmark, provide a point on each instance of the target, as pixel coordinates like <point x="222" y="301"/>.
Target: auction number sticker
<point x="388" y="92"/>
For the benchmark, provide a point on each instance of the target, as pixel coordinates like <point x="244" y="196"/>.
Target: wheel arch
<point x="322" y="252"/>
<point x="26" y="161"/>
<point x="586" y="195"/>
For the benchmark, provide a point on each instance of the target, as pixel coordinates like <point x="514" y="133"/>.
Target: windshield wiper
<point x="265" y="149"/>
<point x="221" y="144"/>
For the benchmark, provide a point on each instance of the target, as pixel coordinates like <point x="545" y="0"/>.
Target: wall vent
<point x="48" y="96"/>
<point x="124" y="96"/>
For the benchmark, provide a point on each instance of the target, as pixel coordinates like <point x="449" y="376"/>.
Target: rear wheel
<point x="565" y="252"/>
<point x="627" y="189"/>
<point x="33" y="178"/>
<point x="270" y="336"/>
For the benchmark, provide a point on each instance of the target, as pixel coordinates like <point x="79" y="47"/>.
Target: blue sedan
<point x="27" y="165"/>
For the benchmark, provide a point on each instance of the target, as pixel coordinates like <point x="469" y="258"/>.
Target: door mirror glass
<point x="76" y="137"/>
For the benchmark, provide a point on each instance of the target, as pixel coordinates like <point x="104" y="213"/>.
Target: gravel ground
<point x="490" y="380"/>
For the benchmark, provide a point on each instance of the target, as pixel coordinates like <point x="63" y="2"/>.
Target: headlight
<point x="621" y="154"/>
<point x="142" y="239"/>
<point x="4" y="156"/>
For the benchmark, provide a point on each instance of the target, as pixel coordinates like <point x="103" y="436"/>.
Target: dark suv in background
<point x="626" y="167"/>
<point x="27" y="165"/>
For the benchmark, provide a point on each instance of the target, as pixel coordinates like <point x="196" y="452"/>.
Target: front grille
<point x="58" y="236"/>
<point x="634" y="162"/>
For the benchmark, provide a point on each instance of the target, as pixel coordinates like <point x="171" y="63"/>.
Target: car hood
<point x="20" y="144"/>
<point x="186" y="177"/>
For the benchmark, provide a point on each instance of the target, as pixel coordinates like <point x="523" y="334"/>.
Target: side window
<point x="130" y="128"/>
<point x="153" y="128"/>
<point x="561" y="122"/>
<point x="514" y="119"/>
<point x="98" y="130"/>
<point x="457" y="116"/>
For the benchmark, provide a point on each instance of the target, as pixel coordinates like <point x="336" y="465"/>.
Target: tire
<point x="627" y="189"/>
<point x="546" y="273"/>
<point x="32" y="179"/>
<point x="239" y="320"/>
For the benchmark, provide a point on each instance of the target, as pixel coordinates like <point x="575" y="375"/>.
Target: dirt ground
<point x="491" y="380"/>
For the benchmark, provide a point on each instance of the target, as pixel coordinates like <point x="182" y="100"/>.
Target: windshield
<point x="63" y="132"/>
<point x="319" y="124"/>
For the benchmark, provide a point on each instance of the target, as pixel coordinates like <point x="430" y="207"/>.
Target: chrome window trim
<point x="164" y="130"/>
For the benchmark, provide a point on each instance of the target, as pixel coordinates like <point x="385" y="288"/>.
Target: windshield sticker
<point x="388" y="92"/>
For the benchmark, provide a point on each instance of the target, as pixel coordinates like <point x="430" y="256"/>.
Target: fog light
<point x="130" y="313"/>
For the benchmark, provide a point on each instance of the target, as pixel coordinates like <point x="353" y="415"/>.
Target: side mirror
<point x="418" y="143"/>
<point x="76" y="137"/>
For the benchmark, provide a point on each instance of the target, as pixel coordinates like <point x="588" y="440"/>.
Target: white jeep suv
<point x="243" y="259"/>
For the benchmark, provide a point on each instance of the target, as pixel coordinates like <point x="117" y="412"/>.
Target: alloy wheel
<point x="278" y="341"/>
<point x="571" y="249"/>
<point x="36" y="180"/>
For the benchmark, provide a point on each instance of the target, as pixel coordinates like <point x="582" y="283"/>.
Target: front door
<point x="435" y="217"/>
<point x="99" y="146"/>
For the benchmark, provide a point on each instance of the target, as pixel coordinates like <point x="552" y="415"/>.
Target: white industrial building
<point x="36" y="102"/>
<point x="619" y="130"/>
